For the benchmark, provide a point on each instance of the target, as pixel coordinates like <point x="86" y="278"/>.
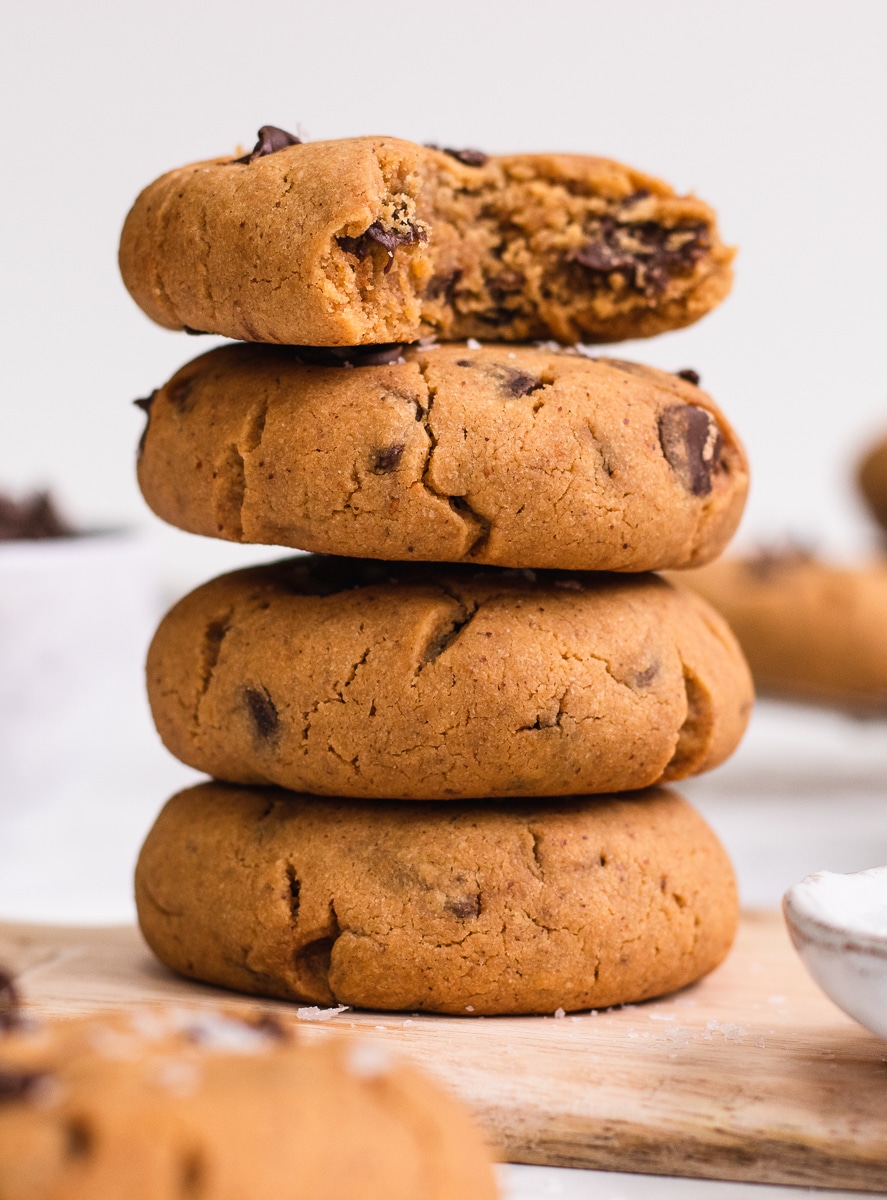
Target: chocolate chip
<point x="388" y="239"/>
<point x="385" y="461"/>
<point x="470" y="158"/>
<point x="691" y="443"/>
<point x="690" y="375"/>
<point x="645" y="252"/>
<point x="10" y="1005"/>
<point x="642" y="679"/>
<point x="194" y="332"/>
<point x="514" y="382"/>
<point x="443" y="287"/>
<point x="179" y="391"/>
<point x="350" y="356"/>
<point x="271" y="1027"/>
<point x="263" y="712"/>
<point x="271" y="139"/>
<point x="18" y="1085"/>
<point x="31" y="519"/>
<point x="464" y="362"/>
<point x="464" y="907"/>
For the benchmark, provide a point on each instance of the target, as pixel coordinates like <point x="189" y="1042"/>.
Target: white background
<point x="772" y="110"/>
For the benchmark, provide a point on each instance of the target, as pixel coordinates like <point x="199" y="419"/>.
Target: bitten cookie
<point x="873" y="481"/>
<point x="350" y="677"/>
<point x="175" y="1104"/>
<point x="374" y="239"/>
<point x="810" y="630"/>
<point x="522" y="458"/>
<point x="517" y="907"/>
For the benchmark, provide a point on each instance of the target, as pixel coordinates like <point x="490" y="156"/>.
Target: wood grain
<point x="750" y="1075"/>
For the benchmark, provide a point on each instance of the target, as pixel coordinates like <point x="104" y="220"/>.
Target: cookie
<point x="349" y="677"/>
<point x="873" y="481"/>
<point x="375" y="239"/>
<point x="178" y="1104"/>
<point x="521" y="458"/>
<point x="810" y="630"/>
<point x="503" y="907"/>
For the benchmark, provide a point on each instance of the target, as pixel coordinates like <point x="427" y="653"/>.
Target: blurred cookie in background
<point x="810" y="630"/>
<point x="872" y="479"/>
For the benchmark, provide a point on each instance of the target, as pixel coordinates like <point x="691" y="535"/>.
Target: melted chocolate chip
<point x="194" y="332"/>
<point x="350" y="356"/>
<point x="691" y="443"/>
<point x="388" y="239"/>
<point x="263" y="713"/>
<point x="385" y="461"/>
<point x="31" y="519"/>
<point x="10" y="1005"/>
<point x="470" y="158"/>
<point x="514" y="382"/>
<point x="443" y="287"/>
<point x="464" y="907"/>
<point x="646" y="253"/>
<point x="179" y="391"/>
<point x="690" y="375"/>
<point x="18" y="1085"/>
<point x="642" y="679"/>
<point x="271" y="139"/>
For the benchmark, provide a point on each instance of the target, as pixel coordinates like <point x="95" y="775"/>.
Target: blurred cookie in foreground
<point x="376" y="239"/>
<point x="485" y="908"/>
<point x="872" y="478"/>
<point x="519" y="456"/>
<point x="811" y="630"/>
<point x="174" y="1104"/>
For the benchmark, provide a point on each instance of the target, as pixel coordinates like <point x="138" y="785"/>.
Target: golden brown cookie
<point x="522" y="458"/>
<point x="350" y="677"/>
<point x="503" y="907"/>
<point x="195" y="1105"/>
<point x="375" y="239"/>
<point x="810" y="630"/>
<point x="873" y="480"/>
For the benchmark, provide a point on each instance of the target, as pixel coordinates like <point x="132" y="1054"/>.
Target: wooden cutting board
<point x="750" y="1075"/>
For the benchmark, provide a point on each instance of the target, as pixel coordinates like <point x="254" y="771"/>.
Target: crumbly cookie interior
<point x="517" y="249"/>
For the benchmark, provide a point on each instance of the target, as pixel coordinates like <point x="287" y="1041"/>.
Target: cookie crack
<point x="214" y="634"/>
<point x="481" y="525"/>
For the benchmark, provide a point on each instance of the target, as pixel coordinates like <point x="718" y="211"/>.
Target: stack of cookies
<point x="438" y="737"/>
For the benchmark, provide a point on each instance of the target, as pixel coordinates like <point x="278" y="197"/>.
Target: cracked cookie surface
<point x="377" y="239"/>
<point x="192" y="1104"/>
<point x="811" y="630"/>
<point x="508" y="907"/>
<point x="520" y="457"/>
<point x="354" y="677"/>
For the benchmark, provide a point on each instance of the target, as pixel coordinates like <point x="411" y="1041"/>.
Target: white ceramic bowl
<point x="75" y="618"/>
<point x="838" y="924"/>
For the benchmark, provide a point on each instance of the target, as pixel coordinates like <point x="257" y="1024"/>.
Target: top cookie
<point x="374" y="239"/>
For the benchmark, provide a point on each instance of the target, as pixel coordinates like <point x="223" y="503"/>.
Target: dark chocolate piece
<point x="646" y="253"/>
<point x="33" y="518"/>
<point x="350" y="356"/>
<point x="385" y="461"/>
<point x="514" y="382"/>
<point x="10" y="1004"/>
<point x="388" y="239"/>
<point x="263" y="712"/>
<point x="468" y="906"/>
<point x="194" y="332"/>
<point x="271" y="139"/>
<point x="18" y="1085"/>
<point x="691" y="443"/>
<point x="690" y="375"/>
<point x="470" y="158"/>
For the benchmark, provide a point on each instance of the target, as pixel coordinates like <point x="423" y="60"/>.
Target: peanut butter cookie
<point x="374" y="239"/>
<point x="516" y="907"/>
<point x="350" y="677"/>
<point x="521" y="457"/>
